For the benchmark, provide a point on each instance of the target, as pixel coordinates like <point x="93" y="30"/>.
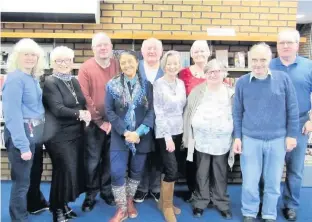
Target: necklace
<point x="70" y="87"/>
<point x="173" y="87"/>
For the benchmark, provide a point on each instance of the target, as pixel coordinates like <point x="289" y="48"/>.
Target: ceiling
<point x="304" y="8"/>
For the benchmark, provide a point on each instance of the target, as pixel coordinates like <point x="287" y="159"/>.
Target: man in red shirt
<point x="93" y="76"/>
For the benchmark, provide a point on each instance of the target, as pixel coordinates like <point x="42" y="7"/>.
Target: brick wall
<point x="306" y="48"/>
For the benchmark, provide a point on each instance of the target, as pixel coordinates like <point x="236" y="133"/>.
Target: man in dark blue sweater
<point x="299" y="70"/>
<point x="266" y="122"/>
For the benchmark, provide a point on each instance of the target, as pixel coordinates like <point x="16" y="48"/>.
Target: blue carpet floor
<point x="148" y="211"/>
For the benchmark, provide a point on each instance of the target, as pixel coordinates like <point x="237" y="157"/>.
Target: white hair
<point x="98" y="36"/>
<point x="290" y="32"/>
<point x="149" y="41"/>
<point x="262" y="45"/>
<point x="61" y="51"/>
<point x="200" y="44"/>
<point x="26" y="46"/>
<point x="164" y="59"/>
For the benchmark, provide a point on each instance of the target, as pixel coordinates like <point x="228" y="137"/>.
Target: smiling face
<point x="260" y="60"/>
<point x="27" y="60"/>
<point x="287" y="46"/>
<point x="200" y="54"/>
<point x="62" y="64"/>
<point x="173" y="65"/>
<point x="102" y="48"/>
<point x="128" y="64"/>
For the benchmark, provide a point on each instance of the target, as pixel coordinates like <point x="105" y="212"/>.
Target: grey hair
<point x="164" y="59"/>
<point x="290" y="32"/>
<point x="215" y="63"/>
<point x="61" y="51"/>
<point x="264" y="46"/>
<point x="157" y="42"/>
<point x="96" y="37"/>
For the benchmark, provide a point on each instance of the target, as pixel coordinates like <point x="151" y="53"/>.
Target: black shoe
<point x="290" y="214"/>
<point x="109" y="199"/>
<point x="139" y="196"/>
<point x="156" y="196"/>
<point x="260" y="211"/>
<point x="198" y="212"/>
<point x="249" y="219"/>
<point x="268" y="220"/>
<point x="58" y="216"/>
<point x="44" y="205"/>
<point x="69" y="213"/>
<point x="88" y="204"/>
<point x="210" y="205"/>
<point x="226" y="214"/>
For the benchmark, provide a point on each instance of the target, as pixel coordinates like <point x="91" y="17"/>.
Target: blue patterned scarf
<point x="63" y="76"/>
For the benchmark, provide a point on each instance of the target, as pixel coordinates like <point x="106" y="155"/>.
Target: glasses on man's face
<point x="215" y="72"/>
<point x="287" y="43"/>
<point x="262" y="61"/>
<point x="61" y="61"/>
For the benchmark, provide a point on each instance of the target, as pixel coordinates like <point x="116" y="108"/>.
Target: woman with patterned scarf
<point x="66" y="116"/>
<point x="129" y="109"/>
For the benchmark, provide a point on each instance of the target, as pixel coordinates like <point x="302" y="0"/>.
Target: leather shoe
<point x="88" y="205"/>
<point x="290" y="214"/>
<point x="198" y="212"/>
<point x="260" y="211"/>
<point x="109" y="199"/>
<point x="68" y="212"/>
<point x="226" y="214"/>
<point x="249" y="219"/>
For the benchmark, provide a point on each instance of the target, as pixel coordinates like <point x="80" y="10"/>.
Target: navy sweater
<point x="265" y="109"/>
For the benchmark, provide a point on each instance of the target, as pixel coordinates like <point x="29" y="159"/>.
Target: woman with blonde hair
<point x="24" y="117"/>
<point x="208" y="128"/>
<point x="169" y="102"/>
<point x="66" y="116"/>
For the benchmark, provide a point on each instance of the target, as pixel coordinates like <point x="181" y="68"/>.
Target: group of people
<point x="128" y="128"/>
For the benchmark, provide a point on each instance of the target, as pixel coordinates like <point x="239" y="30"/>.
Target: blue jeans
<point x="119" y="166"/>
<point x="264" y="157"/>
<point x="295" y="166"/>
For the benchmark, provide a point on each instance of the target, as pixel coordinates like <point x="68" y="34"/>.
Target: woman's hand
<point x="84" y="115"/>
<point x="26" y="156"/>
<point x="132" y="137"/>
<point x="170" y="146"/>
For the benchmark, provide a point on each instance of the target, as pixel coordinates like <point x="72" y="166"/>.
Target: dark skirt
<point x="68" y="171"/>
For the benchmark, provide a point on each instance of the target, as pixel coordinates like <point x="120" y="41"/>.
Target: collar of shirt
<point x="131" y="81"/>
<point x="279" y="61"/>
<point x="252" y="75"/>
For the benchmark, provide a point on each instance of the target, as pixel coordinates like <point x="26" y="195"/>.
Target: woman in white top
<point x="169" y="102"/>
<point x="208" y="128"/>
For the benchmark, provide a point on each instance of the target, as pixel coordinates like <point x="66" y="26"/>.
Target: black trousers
<point x="171" y="163"/>
<point x="97" y="162"/>
<point x="35" y="197"/>
<point x="211" y="175"/>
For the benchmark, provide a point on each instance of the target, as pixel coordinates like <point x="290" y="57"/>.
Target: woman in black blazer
<point x="66" y="116"/>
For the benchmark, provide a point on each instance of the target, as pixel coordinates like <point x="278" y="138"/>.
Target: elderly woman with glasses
<point x="66" y="117"/>
<point x="129" y="108"/>
<point x="208" y="128"/>
<point x="24" y="117"/>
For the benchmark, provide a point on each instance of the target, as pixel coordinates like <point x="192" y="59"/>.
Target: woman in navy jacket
<point x="129" y="108"/>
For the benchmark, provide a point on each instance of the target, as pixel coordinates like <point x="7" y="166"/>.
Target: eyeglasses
<point x="60" y="61"/>
<point x="288" y="43"/>
<point x="258" y="60"/>
<point x="213" y="72"/>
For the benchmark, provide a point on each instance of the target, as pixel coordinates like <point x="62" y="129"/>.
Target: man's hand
<point x="26" y="156"/>
<point x="237" y="146"/>
<point x="291" y="143"/>
<point x="307" y="127"/>
<point x="106" y="126"/>
<point x="170" y="146"/>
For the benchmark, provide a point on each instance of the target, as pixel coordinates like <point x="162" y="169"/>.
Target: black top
<point x="62" y="110"/>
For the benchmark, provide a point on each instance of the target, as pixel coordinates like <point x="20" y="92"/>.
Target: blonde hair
<point x="61" y="51"/>
<point x="215" y="63"/>
<point x="22" y="46"/>
<point x="164" y="59"/>
<point x="200" y="44"/>
<point x="157" y="42"/>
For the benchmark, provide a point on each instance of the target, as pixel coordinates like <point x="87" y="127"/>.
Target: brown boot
<point x="132" y="212"/>
<point x="167" y="201"/>
<point x="176" y="210"/>
<point x="119" y="216"/>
